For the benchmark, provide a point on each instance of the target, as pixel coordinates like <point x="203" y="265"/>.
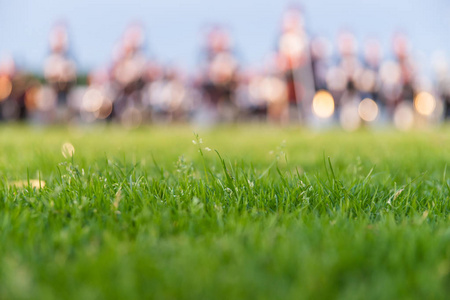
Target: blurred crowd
<point x="306" y="79"/>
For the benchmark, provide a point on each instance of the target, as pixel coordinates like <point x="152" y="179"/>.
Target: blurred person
<point x="390" y="85"/>
<point x="397" y="77"/>
<point x="350" y="65"/>
<point x="341" y="81"/>
<point x="320" y="54"/>
<point x="219" y="75"/>
<point x="249" y="98"/>
<point x="273" y="88"/>
<point x="168" y="96"/>
<point x="402" y="52"/>
<point x="17" y="91"/>
<point x="59" y="68"/>
<point x="129" y="70"/>
<point x="367" y="84"/>
<point x="368" y="81"/>
<point x="441" y="71"/>
<point x="275" y="93"/>
<point x="97" y="99"/>
<point x="7" y="72"/>
<point x="153" y="73"/>
<point x="294" y="62"/>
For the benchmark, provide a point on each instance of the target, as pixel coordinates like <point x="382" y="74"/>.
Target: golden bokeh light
<point x="323" y="104"/>
<point x="424" y="103"/>
<point x="5" y="87"/>
<point x="368" y="110"/>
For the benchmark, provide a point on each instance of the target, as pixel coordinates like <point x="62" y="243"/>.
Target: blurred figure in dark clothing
<point x="342" y="81"/>
<point x="441" y="71"/>
<point x="403" y="55"/>
<point x="397" y="76"/>
<point x="368" y="77"/>
<point x="128" y="70"/>
<point x="349" y="64"/>
<point x="320" y="52"/>
<point x="219" y="74"/>
<point x="250" y="97"/>
<point x="59" y="68"/>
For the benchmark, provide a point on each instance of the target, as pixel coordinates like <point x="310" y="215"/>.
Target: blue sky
<point x="174" y="26"/>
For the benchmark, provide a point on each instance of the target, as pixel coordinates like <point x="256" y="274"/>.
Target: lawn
<point x="233" y="212"/>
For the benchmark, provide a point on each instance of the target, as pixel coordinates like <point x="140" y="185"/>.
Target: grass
<point x="150" y="214"/>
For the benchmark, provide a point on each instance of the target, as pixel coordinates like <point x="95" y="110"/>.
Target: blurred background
<point x="323" y="63"/>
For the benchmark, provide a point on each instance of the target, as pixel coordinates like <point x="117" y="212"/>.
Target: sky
<point x="174" y="27"/>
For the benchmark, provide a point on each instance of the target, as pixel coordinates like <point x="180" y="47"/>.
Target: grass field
<point x="275" y="213"/>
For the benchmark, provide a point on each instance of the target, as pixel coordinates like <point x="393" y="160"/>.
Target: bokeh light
<point x="323" y="104"/>
<point x="368" y="110"/>
<point x="92" y="100"/>
<point x="424" y="103"/>
<point x="5" y="87"/>
<point x="104" y="111"/>
<point x="272" y="89"/>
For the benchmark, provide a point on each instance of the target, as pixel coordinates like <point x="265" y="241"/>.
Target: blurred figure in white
<point x="168" y="97"/>
<point x="218" y="77"/>
<point x="294" y="62"/>
<point x="250" y="95"/>
<point x="272" y="88"/>
<point x="60" y="69"/>
<point x="97" y="100"/>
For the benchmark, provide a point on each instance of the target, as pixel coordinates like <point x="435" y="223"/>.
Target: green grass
<point x="275" y="213"/>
